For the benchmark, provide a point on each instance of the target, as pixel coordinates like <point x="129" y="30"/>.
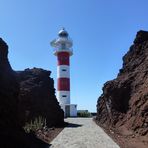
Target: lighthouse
<point x="63" y="50"/>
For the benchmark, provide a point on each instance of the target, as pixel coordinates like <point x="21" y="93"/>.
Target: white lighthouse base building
<point x="70" y="110"/>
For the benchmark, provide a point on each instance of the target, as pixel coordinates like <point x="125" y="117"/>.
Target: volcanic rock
<point x="37" y="97"/>
<point x="11" y="96"/>
<point x="11" y="134"/>
<point x="9" y="90"/>
<point x="124" y="101"/>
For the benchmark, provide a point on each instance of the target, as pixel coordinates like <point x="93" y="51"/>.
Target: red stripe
<point x="63" y="58"/>
<point x="64" y="84"/>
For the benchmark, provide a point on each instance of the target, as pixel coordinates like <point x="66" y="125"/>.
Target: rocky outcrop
<point x="9" y="90"/>
<point x="124" y="101"/>
<point x="37" y="97"/>
<point x="15" y="99"/>
<point x="10" y="131"/>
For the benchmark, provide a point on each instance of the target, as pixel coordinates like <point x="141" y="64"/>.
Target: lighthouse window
<point x="63" y="69"/>
<point x="64" y="96"/>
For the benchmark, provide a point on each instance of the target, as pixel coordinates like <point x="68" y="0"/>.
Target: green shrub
<point x="35" y="125"/>
<point x="84" y="114"/>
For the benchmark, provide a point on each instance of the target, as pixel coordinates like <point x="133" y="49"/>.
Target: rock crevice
<point x="125" y="99"/>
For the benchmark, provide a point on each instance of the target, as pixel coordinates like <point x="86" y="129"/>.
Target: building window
<point x="64" y="96"/>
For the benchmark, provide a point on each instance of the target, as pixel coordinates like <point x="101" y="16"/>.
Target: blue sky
<point x="102" y="32"/>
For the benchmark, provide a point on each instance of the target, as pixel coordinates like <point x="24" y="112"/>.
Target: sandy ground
<point x="82" y="133"/>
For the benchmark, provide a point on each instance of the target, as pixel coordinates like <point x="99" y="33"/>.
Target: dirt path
<point x="82" y="133"/>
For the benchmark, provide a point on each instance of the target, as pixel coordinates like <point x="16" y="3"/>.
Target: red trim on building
<point x="64" y="84"/>
<point x="63" y="58"/>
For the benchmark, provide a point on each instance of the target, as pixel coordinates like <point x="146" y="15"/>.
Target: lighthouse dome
<point x="63" y="33"/>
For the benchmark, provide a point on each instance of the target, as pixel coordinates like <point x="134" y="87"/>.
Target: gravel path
<point x="82" y="133"/>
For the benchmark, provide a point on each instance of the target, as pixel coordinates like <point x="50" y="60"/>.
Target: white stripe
<point x="63" y="97"/>
<point x="63" y="71"/>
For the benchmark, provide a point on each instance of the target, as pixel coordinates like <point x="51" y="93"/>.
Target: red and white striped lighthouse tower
<point x="63" y="52"/>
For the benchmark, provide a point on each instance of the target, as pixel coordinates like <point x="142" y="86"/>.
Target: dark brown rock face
<point x="13" y="100"/>
<point x="9" y="90"/>
<point x="37" y="97"/>
<point x="11" y="134"/>
<point x="125" y="99"/>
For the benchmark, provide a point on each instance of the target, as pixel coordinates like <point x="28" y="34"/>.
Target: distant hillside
<point x="124" y="102"/>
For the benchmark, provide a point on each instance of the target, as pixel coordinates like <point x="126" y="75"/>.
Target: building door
<point x="67" y="110"/>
